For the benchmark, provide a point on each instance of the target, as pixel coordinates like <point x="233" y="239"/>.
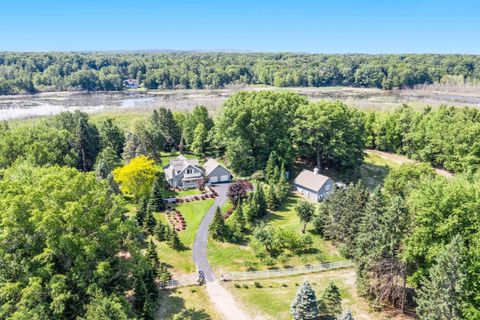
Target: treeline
<point x="420" y="230"/>
<point x="32" y="72"/>
<point x="252" y="127"/>
<point x="446" y="137"/>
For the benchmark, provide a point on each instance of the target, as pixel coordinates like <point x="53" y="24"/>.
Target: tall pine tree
<point x="155" y="202"/>
<point x="444" y="293"/>
<point x="218" y="229"/>
<point x="330" y="304"/>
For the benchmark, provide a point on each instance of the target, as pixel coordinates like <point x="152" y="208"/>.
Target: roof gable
<point x="211" y="165"/>
<point x="310" y="180"/>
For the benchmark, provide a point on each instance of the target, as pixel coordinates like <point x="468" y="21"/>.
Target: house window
<point x="189" y="171"/>
<point x="327" y="187"/>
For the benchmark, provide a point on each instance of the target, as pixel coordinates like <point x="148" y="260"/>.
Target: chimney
<point x="315" y="171"/>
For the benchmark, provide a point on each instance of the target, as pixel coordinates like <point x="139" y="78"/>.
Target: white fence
<point x="182" y="281"/>
<point x="252" y="275"/>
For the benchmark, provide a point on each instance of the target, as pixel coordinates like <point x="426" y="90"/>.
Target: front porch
<point x="188" y="183"/>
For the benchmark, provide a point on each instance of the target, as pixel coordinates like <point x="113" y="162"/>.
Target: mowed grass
<point x="181" y="261"/>
<point x="273" y="300"/>
<point x="192" y="301"/>
<point x="240" y="257"/>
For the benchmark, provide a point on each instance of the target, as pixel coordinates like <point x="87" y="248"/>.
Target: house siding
<point x="178" y="179"/>
<point x="314" y="195"/>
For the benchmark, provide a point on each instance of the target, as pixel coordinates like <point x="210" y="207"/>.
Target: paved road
<point x="201" y="238"/>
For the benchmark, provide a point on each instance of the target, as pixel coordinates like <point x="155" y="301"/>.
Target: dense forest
<point x="77" y="251"/>
<point x="33" y="72"/>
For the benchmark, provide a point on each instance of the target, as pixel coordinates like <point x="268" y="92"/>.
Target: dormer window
<point x="189" y="171"/>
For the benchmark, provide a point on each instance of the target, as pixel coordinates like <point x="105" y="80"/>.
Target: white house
<point x="313" y="185"/>
<point x="186" y="173"/>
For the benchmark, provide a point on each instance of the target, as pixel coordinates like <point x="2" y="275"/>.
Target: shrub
<point x="245" y="286"/>
<point x="238" y="286"/>
<point x="258" y="284"/>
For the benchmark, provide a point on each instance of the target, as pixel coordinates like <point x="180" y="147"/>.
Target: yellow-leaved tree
<point x="136" y="178"/>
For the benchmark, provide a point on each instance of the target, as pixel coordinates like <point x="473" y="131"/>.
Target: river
<point x="45" y="104"/>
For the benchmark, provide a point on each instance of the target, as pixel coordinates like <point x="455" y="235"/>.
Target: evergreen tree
<point x="319" y="221"/>
<point x="150" y="222"/>
<point x="164" y="276"/>
<point x="112" y="137"/>
<point x="112" y="185"/>
<point x="218" y="229"/>
<point x="130" y="149"/>
<point x="239" y="222"/>
<point x="164" y="124"/>
<point x="443" y="294"/>
<point x="173" y="240"/>
<point x="102" y="170"/>
<point x="142" y="211"/>
<point x="330" y="304"/>
<point x="283" y="187"/>
<point x="155" y="202"/>
<point x="270" y="167"/>
<point x="152" y="256"/>
<point x="86" y="144"/>
<point x="378" y="249"/>
<point x="260" y="202"/>
<point x="304" y="306"/>
<point x="109" y="157"/>
<point x="345" y="209"/>
<point x="199" y="140"/>
<point x="347" y="315"/>
<point x="161" y="231"/>
<point x="271" y="197"/>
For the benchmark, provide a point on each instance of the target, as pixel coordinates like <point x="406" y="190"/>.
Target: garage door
<point x="213" y="179"/>
<point x="224" y="178"/>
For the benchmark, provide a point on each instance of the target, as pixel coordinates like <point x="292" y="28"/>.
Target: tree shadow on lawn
<point x="272" y="216"/>
<point x="171" y="306"/>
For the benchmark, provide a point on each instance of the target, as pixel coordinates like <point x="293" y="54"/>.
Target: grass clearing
<point x="275" y="296"/>
<point x="192" y="301"/>
<point x="181" y="260"/>
<point x="240" y="257"/>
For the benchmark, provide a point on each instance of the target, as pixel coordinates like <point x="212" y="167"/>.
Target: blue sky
<point x="367" y="26"/>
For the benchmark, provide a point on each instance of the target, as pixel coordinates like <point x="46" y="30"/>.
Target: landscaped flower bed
<point x="176" y="220"/>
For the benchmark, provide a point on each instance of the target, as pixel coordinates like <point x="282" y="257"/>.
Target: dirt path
<point x="225" y="303"/>
<point x="398" y="159"/>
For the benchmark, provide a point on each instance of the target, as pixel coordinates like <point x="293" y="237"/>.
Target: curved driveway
<point x="201" y="238"/>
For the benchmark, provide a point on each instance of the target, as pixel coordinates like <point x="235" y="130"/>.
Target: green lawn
<point x="181" y="260"/>
<point x="234" y="257"/>
<point x="182" y="193"/>
<point x="276" y="295"/>
<point x="192" y="301"/>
